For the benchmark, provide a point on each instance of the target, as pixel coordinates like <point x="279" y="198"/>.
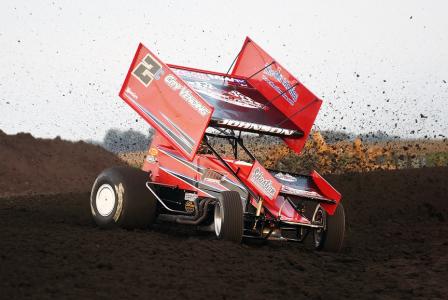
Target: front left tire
<point x="119" y="198"/>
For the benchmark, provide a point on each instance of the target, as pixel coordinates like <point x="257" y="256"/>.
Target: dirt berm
<point x="396" y="245"/>
<point x="42" y="166"/>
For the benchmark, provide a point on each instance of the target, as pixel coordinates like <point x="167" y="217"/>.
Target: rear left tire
<point x="331" y="237"/>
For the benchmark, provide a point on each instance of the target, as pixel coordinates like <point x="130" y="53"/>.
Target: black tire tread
<point x="139" y="205"/>
<point x="334" y="236"/>
<point x="232" y="227"/>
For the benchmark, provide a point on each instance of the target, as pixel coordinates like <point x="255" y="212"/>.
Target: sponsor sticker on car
<point x="264" y="182"/>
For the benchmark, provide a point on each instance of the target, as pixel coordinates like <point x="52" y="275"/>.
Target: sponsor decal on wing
<point x="186" y="95"/>
<point x="257" y="127"/>
<point x="271" y="76"/>
<point x="285" y="177"/>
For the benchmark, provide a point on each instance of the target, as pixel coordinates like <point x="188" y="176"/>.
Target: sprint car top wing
<point x="258" y="96"/>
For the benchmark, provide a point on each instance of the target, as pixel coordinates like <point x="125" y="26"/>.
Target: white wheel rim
<point x="218" y="219"/>
<point x="105" y="200"/>
<point x="318" y="232"/>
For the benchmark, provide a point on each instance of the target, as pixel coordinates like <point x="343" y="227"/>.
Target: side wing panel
<point x="282" y="90"/>
<point x="328" y="191"/>
<point x="166" y="102"/>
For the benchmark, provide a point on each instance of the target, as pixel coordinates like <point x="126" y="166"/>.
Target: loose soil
<point x="396" y="245"/>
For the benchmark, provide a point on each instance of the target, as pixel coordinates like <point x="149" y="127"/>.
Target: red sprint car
<point x="187" y="180"/>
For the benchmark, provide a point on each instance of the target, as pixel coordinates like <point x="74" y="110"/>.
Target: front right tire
<point x="228" y="217"/>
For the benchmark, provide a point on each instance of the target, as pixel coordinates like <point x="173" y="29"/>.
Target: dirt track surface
<point x="396" y="247"/>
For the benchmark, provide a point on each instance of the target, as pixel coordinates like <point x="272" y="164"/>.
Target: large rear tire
<point x="119" y="198"/>
<point x="332" y="237"/>
<point x="228" y="217"/>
